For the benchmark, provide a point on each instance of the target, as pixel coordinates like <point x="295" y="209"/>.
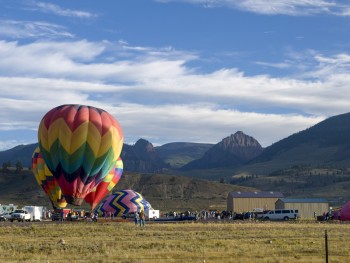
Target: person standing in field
<point x="136" y="218"/>
<point x="142" y="218"/>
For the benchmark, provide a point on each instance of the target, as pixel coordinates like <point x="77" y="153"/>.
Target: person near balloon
<point x="142" y="218"/>
<point x="136" y="218"/>
<point x="95" y="217"/>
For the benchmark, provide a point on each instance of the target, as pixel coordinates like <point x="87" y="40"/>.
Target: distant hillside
<point x="324" y="144"/>
<point x="178" y="154"/>
<point x="165" y="192"/>
<point x="232" y="151"/>
<point x="20" y="153"/>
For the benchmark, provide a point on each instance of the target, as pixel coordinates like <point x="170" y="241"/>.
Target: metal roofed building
<point x="247" y="201"/>
<point x="306" y="206"/>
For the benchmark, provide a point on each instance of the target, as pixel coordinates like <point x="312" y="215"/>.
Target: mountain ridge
<point x="325" y="143"/>
<point x="313" y="162"/>
<point x="234" y="150"/>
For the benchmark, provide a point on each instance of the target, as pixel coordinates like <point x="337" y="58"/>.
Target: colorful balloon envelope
<point x="80" y="145"/>
<point x="123" y="201"/>
<point x="46" y="180"/>
<point x="105" y="187"/>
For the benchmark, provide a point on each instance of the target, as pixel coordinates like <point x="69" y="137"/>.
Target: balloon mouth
<point x="74" y="200"/>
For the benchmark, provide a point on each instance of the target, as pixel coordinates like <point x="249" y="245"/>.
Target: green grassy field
<point x="301" y="241"/>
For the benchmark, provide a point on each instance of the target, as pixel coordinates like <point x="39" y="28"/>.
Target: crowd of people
<point x="211" y="214"/>
<point x="140" y="217"/>
<point x="331" y="215"/>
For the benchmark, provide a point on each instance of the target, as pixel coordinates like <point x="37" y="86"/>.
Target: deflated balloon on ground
<point x="122" y="202"/>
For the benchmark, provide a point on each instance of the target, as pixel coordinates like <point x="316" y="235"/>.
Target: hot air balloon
<point x="47" y="181"/>
<point x="79" y="144"/>
<point x="122" y="202"/>
<point x="106" y="186"/>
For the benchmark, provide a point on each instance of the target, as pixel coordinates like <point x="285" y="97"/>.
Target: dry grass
<point x="189" y="242"/>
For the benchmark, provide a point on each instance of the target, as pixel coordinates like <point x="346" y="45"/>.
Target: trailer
<point x="151" y="214"/>
<point x="5" y="209"/>
<point x="36" y="212"/>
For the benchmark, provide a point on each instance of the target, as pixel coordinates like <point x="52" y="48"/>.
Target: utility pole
<point x="326" y="244"/>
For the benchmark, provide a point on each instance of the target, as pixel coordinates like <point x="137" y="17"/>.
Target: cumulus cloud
<point x="72" y="59"/>
<point x="183" y="123"/>
<point x="156" y="90"/>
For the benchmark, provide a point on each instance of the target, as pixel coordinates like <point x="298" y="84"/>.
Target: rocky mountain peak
<point x="143" y="146"/>
<point x="142" y="157"/>
<point x="238" y="140"/>
<point x="234" y="150"/>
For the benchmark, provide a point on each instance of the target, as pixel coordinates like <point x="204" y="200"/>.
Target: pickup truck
<point x="20" y="215"/>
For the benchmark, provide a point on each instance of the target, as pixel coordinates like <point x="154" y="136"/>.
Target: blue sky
<point x="176" y="71"/>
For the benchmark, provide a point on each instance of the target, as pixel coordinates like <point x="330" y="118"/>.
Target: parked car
<point x="5" y="216"/>
<point x="258" y="213"/>
<point x="243" y="216"/>
<point x="238" y="216"/>
<point x="281" y="214"/>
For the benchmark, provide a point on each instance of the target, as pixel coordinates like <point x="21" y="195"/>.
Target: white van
<point x="281" y="214"/>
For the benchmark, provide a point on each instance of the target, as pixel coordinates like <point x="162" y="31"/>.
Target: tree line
<point x="7" y="165"/>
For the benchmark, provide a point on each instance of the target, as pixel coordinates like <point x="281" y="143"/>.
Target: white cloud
<point x="285" y="7"/>
<point x="204" y="123"/>
<point x="329" y="67"/>
<point x="277" y="7"/>
<point x="57" y="10"/>
<point x="280" y="65"/>
<point x="72" y="60"/>
<point x="5" y="145"/>
<point x="345" y="11"/>
<point x="155" y="90"/>
<point x="189" y="123"/>
<point x="32" y="29"/>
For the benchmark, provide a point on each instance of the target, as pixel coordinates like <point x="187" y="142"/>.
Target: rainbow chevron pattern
<point x="46" y="180"/>
<point x="124" y="201"/>
<point x="80" y="145"/>
<point x="106" y="186"/>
